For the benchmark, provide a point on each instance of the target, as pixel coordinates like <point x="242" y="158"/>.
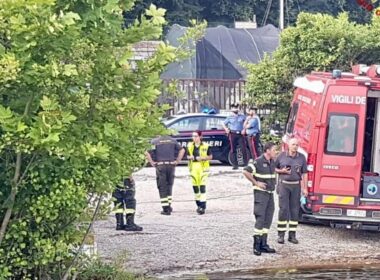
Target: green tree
<point x="181" y="11"/>
<point x="317" y="42"/>
<point x="76" y="114"/>
<point x="226" y="12"/>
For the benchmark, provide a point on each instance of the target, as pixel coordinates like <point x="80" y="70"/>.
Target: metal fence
<point x="192" y="95"/>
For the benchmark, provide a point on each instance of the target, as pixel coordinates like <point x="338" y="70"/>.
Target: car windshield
<point x="167" y="120"/>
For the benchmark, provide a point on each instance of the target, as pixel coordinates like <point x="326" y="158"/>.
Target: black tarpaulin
<point x="218" y="53"/>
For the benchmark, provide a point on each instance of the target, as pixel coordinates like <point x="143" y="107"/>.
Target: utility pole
<point x="281" y="14"/>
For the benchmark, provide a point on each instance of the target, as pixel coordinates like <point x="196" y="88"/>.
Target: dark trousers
<point x="254" y="145"/>
<point x="263" y="211"/>
<point x="235" y="141"/>
<point x="289" y="203"/>
<point x="125" y="201"/>
<point x="200" y="196"/>
<point x="165" y="179"/>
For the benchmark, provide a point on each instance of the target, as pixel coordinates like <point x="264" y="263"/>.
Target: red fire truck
<point x="336" y="118"/>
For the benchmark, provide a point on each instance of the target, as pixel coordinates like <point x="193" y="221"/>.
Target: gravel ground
<point x="220" y="240"/>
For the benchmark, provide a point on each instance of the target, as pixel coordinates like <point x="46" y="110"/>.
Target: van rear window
<point x="341" y="134"/>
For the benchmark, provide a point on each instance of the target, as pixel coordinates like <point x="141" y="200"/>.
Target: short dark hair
<point x="268" y="146"/>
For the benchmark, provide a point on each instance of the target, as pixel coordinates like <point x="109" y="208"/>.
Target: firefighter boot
<point x="131" y="226"/>
<point x="257" y="245"/>
<point x="264" y="245"/>
<point x="202" y="208"/>
<point x="292" y="237"/>
<point x="119" y="221"/>
<point x="166" y="211"/>
<point x="281" y="237"/>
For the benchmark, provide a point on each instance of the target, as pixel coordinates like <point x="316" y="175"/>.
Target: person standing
<point x="165" y="154"/>
<point x="252" y="126"/>
<point x="125" y="203"/>
<point x="199" y="156"/>
<point x="233" y="125"/>
<point x="292" y="169"/>
<point x="261" y="173"/>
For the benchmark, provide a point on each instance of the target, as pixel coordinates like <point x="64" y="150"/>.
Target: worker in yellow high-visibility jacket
<point x="199" y="156"/>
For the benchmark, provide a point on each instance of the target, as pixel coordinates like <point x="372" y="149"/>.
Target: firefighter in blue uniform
<point x="234" y="127"/>
<point x="165" y="154"/>
<point x="261" y="173"/>
<point x="291" y="167"/>
<point x="125" y="203"/>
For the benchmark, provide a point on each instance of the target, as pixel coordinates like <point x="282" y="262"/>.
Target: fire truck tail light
<point x="313" y="197"/>
<point x="310" y="168"/>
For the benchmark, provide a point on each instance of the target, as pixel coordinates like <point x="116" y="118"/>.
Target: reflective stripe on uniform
<point x="260" y="189"/>
<point x="293" y="225"/>
<point x="282" y="225"/>
<point x="164" y="201"/>
<point x="197" y="195"/>
<point x="253" y="168"/>
<point x="257" y="231"/>
<point x="202" y="197"/>
<point x="265" y="230"/>
<point x="203" y="148"/>
<point x="118" y="211"/>
<point x="130" y="211"/>
<point x="290" y="182"/>
<point x="265" y="176"/>
<point x="198" y="174"/>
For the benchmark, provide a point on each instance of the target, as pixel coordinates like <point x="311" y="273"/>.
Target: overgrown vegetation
<point x="76" y="111"/>
<point x="98" y="270"/>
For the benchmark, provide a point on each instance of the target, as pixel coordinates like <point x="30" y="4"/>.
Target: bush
<point x="76" y="113"/>
<point x="103" y="271"/>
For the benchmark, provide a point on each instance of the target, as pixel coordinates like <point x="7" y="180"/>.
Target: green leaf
<point x="70" y="18"/>
<point x="70" y="70"/>
<point x="47" y="104"/>
<point x="112" y="6"/>
<point x="5" y="113"/>
<point x="52" y="138"/>
<point x="21" y="126"/>
<point x="109" y="129"/>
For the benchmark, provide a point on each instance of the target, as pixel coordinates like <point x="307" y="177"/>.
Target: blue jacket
<point x="254" y="126"/>
<point x="235" y="122"/>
